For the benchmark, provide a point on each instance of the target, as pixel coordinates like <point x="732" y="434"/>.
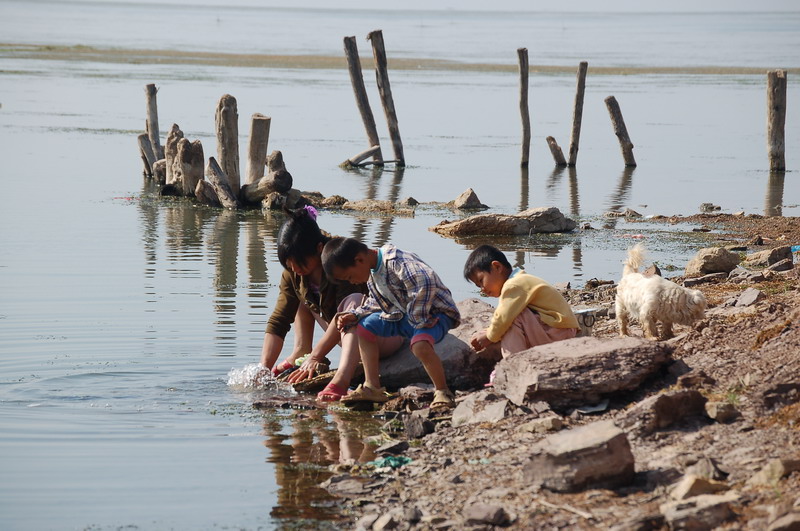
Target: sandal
<point x="443" y="399"/>
<point x="331" y="393"/>
<point x="362" y="394"/>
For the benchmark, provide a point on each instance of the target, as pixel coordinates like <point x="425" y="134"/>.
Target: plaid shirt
<point x="416" y="291"/>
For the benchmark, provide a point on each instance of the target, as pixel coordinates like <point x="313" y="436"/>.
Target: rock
<point x="711" y="277"/>
<point x="390" y="520"/>
<point x="544" y="425"/>
<point x="783" y="265"/>
<point x="641" y="522"/>
<point x="691" y="486"/>
<point x="345" y="486"/>
<point x="755" y="241"/>
<point x="596" y="455"/>
<point x="375" y="205"/>
<point x="711" y="260"/>
<point x="534" y="220"/>
<point x="365" y="522"/>
<point x="768" y="257"/>
<point x="707" y="468"/>
<point x="709" y="207"/>
<point x="465" y="369"/>
<point x="787" y="522"/>
<point x="652" y="270"/>
<point x="484" y="513"/>
<point x="660" y="411"/>
<point x="696" y="379"/>
<point x="749" y="297"/>
<point x="468" y="200"/>
<point x="392" y="447"/>
<point x="408" y="201"/>
<point x="482" y="406"/>
<point x="774" y="471"/>
<point x="417" y="426"/>
<point x="699" y="513"/>
<point x="333" y="201"/>
<point x="578" y="371"/>
<point x="740" y="275"/>
<point x="723" y="412"/>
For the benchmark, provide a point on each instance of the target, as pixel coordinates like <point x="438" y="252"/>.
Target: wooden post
<point x="385" y="90"/>
<point x="362" y="101"/>
<point x="621" y="131"/>
<point x="146" y="151"/>
<point x="227" y="125"/>
<point x="190" y="158"/>
<point x="524" y="70"/>
<point x="152" y="120"/>
<point x="577" y="113"/>
<point x="776" y="119"/>
<point x="219" y="182"/>
<point x="555" y="150"/>
<point x="279" y="181"/>
<point x="205" y="194"/>
<point x="171" y="151"/>
<point x="356" y="160"/>
<point x="257" y="148"/>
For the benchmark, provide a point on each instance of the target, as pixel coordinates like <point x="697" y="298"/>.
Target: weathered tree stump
<point x="171" y="151"/>
<point x="275" y="162"/>
<point x="362" y="101"/>
<point x="555" y="150"/>
<point x="146" y="151"/>
<point x="257" y="147"/>
<point x="204" y="194"/>
<point x="385" y="90"/>
<point x="219" y="182"/>
<point x="524" y="70"/>
<point x="227" y="126"/>
<point x="188" y="166"/>
<point x="776" y="119"/>
<point x="152" y="120"/>
<point x="279" y="181"/>
<point x="577" y="114"/>
<point x="620" y="130"/>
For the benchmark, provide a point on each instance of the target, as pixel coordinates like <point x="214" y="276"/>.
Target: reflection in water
<point x="384" y="229"/>
<point x="302" y="454"/>
<point x="773" y="205"/>
<point x="223" y="243"/>
<point x="620" y="196"/>
<point x="574" y="203"/>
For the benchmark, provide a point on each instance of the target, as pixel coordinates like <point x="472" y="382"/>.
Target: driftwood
<point x="152" y="120"/>
<point x="555" y="150"/>
<point x="534" y="220"/>
<point x="204" y="194"/>
<point x="160" y="172"/>
<point x="357" y="160"/>
<point x="171" y="151"/>
<point x="257" y="147"/>
<point x="187" y="168"/>
<point x="385" y="90"/>
<point x="776" y="119"/>
<point x="523" y="104"/>
<point x="275" y="162"/>
<point x="577" y="114"/>
<point x="362" y="101"/>
<point x="227" y="126"/>
<point x="279" y="181"/>
<point x="219" y="182"/>
<point x="620" y="130"/>
<point x="146" y="151"/>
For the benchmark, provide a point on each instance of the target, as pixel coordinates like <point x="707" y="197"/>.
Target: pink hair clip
<point x="312" y="212"/>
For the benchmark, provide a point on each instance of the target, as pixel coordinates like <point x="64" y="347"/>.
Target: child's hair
<point x="481" y="260"/>
<point x="299" y="236"/>
<point x="340" y="253"/>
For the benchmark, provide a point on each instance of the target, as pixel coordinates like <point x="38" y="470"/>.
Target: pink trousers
<point x="528" y="331"/>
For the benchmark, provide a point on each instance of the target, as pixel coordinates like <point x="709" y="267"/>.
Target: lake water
<point x="121" y="315"/>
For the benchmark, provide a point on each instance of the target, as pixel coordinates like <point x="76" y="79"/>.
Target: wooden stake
<point x="358" y="159"/>
<point x="524" y="70"/>
<point x="204" y="194"/>
<point x="385" y="90"/>
<point x="171" y="151"/>
<point x="152" y="120"/>
<point x="362" y="101"/>
<point x="190" y="158"/>
<point x="621" y="131"/>
<point x="257" y="148"/>
<point x="146" y="151"/>
<point x="776" y="119"/>
<point x="577" y="114"/>
<point x="227" y="125"/>
<point x="219" y="181"/>
<point x="555" y="150"/>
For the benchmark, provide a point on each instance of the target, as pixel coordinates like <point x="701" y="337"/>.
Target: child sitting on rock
<point x="530" y="311"/>
<point x="406" y="298"/>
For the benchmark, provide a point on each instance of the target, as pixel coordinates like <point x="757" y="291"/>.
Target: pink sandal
<point x="331" y="393"/>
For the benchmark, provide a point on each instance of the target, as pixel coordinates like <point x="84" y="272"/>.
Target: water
<point x="122" y="315"/>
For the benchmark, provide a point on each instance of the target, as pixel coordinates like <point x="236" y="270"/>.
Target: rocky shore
<point x="698" y="432"/>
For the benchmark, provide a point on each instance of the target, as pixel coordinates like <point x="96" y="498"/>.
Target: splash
<point x="252" y="377"/>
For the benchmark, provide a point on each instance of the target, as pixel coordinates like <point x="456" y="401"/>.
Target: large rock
<point x="534" y="220"/>
<point x="597" y="455"/>
<point x="578" y="371"/>
<point x="483" y="406"/>
<point x="768" y="257"/>
<point x="712" y="260"/>
<point x="468" y="200"/>
<point x="699" y="513"/>
<point x="464" y="368"/>
<point x="660" y="411"/>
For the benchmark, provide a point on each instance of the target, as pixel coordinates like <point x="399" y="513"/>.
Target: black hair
<point x="481" y="260"/>
<point x="340" y="253"/>
<point x="299" y="236"/>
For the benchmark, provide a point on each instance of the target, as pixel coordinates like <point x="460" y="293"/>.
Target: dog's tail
<point x="635" y="259"/>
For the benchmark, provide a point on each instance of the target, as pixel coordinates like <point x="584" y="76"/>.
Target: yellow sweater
<point x="522" y="291"/>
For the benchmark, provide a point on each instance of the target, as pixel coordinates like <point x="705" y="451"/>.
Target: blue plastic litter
<point x="795" y="248"/>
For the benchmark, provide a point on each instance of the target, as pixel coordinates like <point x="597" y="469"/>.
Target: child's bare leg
<point x="425" y="353"/>
<point x="348" y="361"/>
<point x="370" y="358"/>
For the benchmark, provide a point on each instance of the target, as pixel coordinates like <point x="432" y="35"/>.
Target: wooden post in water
<point x="152" y="120"/>
<point x="356" y="160"/>
<point x="227" y="125"/>
<point x="146" y="151"/>
<point x="776" y="119"/>
<point x="577" y="114"/>
<point x="190" y="158"/>
<point x="621" y="131"/>
<point x="360" y="91"/>
<point x="555" y="150"/>
<point x="219" y="182"/>
<point x="524" y="70"/>
<point x="257" y="148"/>
<point x="171" y="151"/>
<point x="385" y="90"/>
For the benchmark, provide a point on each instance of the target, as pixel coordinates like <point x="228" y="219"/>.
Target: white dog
<point x="651" y="299"/>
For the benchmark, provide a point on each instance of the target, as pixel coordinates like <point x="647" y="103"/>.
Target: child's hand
<point x="345" y="321"/>
<point x="479" y="341"/>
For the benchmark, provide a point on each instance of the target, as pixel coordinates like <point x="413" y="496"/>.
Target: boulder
<point x="700" y="512"/>
<point x="660" y="411"/>
<point x="465" y="368"/>
<point x="468" y="200"/>
<point x="596" y="455"/>
<point x="534" y="220"/>
<point x="723" y="412"/>
<point x="578" y="371"/>
<point x="768" y="257"/>
<point x="749" y="297"/>
<point x="483" y="406"/>
<point x="712" y="260"/>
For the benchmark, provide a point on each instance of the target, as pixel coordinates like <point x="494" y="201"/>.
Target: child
<point x="530" y="311"/>
<point x="406" y="298"/>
